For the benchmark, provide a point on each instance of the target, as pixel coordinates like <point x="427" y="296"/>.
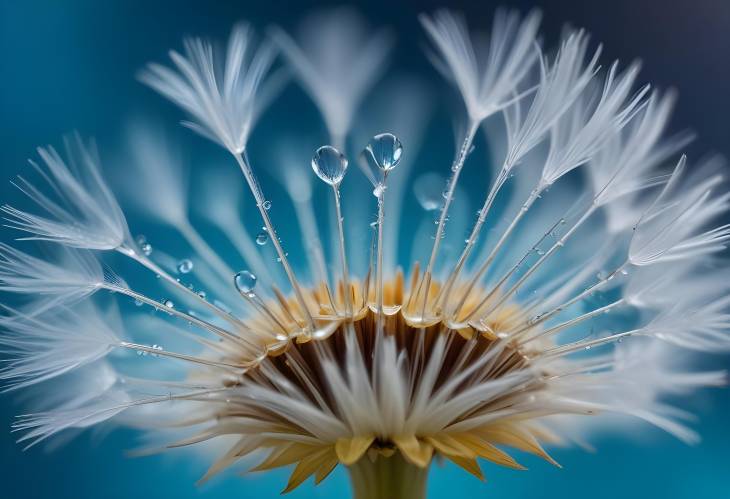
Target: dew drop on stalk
<point x="386" y="150"/>
<point x="329" y="164"/>
<point x="262" y="238"/>
<point x="146" y="249"/>
<point x="245" y="281"/>
<point x="184" y="266"/>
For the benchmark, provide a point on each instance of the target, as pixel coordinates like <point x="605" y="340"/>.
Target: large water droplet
<point x="427" y="189"/>
<point x="169" y="304"/>
<point x="329" y="164"/>
<point x="184" y="266"/>
<point x="146" y="249"/>
<point x="386" y="150"/>
<point x="245" y="281"/>
<point x="262" y="238"/>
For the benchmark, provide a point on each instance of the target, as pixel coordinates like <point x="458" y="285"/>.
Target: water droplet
<point x="588" y="347"/>
<point x="386" y="151"/>
<point x="379" y="190"/>
<point x="329" y="164"/>
<point x="262" y="238"/>
<point x="138" y="303"/>
<point x="427" y="189"/>
<point x="184" y="266"/>
<point x="146" y="249"/>
<point x="245" y="281"/>
<point x="202" y="294"/>
<point x="169" y="304"/>
<point x="267" y="205"/>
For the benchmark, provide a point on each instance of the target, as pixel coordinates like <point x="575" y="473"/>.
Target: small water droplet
<point x="202" y="294"/>
<point x="262" y="238"/>
<point x="386" y="150"/>
<point x="138" y="303"/>
<point x="169" y="304"/>
<point x="184" y="266"/>
<point x="146" y="249"/>
<point x="267" y="205"/>
<point x="329" y="164"/>
<point x="244" y="281"/>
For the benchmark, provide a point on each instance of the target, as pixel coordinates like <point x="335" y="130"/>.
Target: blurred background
<point x="71" y="66"/>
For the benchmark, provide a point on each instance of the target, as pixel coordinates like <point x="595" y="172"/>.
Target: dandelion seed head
<point x="505" y="332"/>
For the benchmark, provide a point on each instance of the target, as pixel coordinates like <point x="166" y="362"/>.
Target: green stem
<point x="388" y="477"/>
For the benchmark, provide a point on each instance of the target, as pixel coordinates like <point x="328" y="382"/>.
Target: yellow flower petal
<point x="326" y="468"/>
<point x="488" y="451"/>
<point x="449" y="445"/>
<point x="285" y="455"/>
<point x="470" y="465"/>
<point x="516" y="437"/>
<point x="350" y="450"/>
<point x="414" y="450"/>
<point x="307" y="467"/>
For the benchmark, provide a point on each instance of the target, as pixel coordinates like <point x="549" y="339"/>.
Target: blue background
<point x="71" y="65"/>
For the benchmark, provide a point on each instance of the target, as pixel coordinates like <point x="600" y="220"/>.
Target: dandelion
<point x="338" y="357"/>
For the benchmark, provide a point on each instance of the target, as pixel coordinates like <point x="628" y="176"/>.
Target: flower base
<point x="388" y="477"/>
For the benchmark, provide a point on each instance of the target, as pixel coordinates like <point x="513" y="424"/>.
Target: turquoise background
<point x="71" y="65"/>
